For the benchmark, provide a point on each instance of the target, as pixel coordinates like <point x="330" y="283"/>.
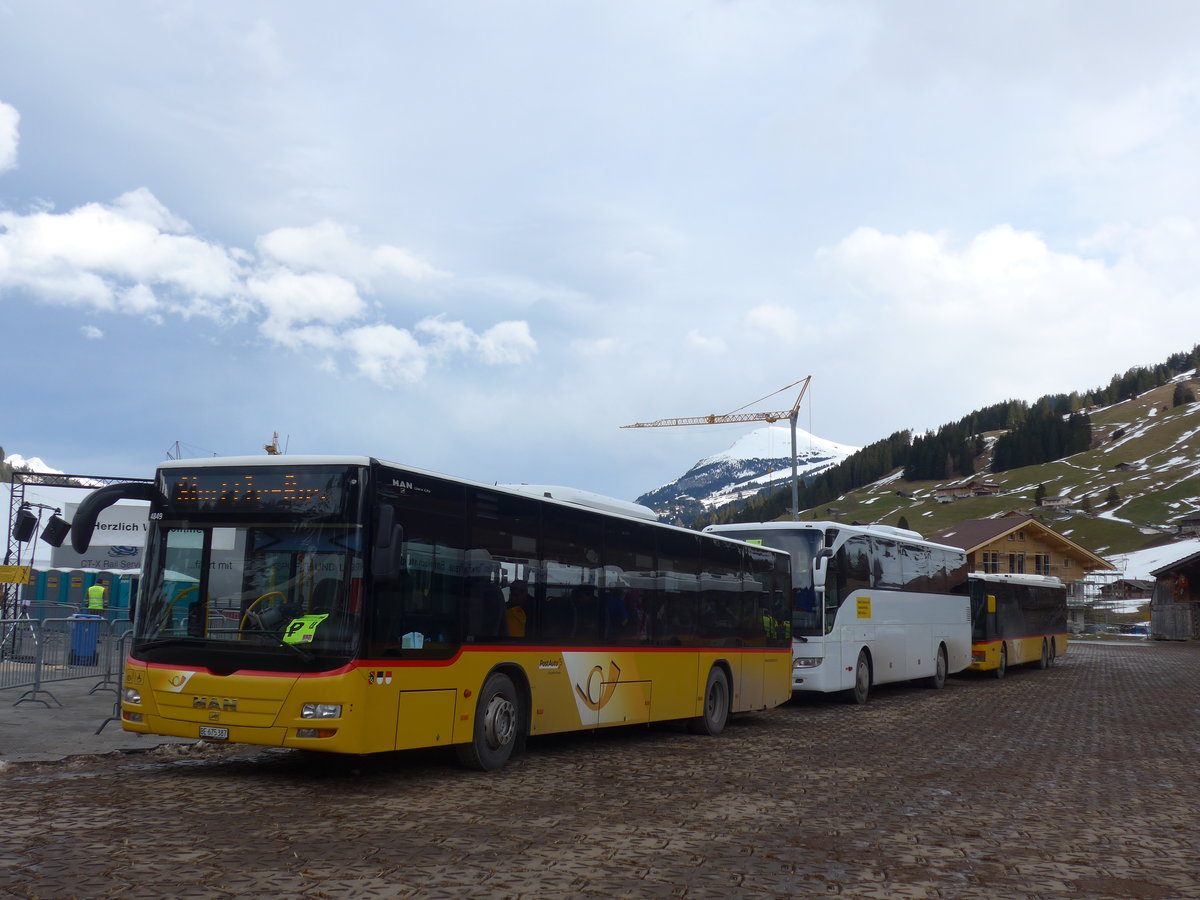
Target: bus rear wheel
<point x="937" y="680"/>
<point x="1044" y="662"/>
<point x="716" y="704"/>
<point x="497" y="725"/>
<point x="1002" y="668"/>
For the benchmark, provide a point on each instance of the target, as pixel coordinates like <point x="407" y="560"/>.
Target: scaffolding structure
<point x="17" y="502"/>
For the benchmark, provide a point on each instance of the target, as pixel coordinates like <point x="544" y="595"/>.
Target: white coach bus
<point x="871" y="604"/>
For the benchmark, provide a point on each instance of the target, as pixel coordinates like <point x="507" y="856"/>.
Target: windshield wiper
<point x="167" y="642"/>
<point x="280" y="635"/>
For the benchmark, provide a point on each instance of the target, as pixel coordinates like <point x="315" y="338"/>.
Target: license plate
<point x="214" y="734"/>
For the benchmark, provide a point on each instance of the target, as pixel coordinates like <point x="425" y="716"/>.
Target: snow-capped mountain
<point x="760" y="459"/>
<point x="33" y="464"/>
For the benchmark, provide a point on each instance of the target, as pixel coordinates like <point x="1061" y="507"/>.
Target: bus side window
<point x="857" y="567"/>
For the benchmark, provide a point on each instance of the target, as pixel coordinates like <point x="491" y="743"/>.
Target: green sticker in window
<point x="302" y="628"/>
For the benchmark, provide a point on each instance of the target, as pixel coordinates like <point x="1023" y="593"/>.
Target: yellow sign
<point x="14" y="574"/>
<point x="864" y="607"/>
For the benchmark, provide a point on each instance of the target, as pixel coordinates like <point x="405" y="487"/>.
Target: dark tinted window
<point x="416" y="610"/>
<point x="721" y="602"/>
<point x="572" y="541"/>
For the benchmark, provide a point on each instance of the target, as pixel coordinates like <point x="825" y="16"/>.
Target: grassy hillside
<point x="1146" y="450"/>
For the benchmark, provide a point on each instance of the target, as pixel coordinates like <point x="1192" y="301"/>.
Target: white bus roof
<point x="884" y="531"/>
<point x="1017" y="578"/>
<point x="298" y="460"/>
<point x="584" y="498"/>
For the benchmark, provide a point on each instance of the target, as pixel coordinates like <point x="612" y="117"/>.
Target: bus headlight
<point x="807" y="662"/>
<point x="132" y="695"/>
<point x="321" y="711"/>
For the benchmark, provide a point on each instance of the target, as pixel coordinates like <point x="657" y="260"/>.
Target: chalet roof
<point x="1177" y="565"/>
<point x="973" y="534"/>
<point x="1137" y="584"/>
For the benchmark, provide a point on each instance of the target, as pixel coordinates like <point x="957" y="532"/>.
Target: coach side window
<point x="887" y="565"/>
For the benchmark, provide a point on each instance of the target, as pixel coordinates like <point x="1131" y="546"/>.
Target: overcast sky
<point x="479" y="237"/>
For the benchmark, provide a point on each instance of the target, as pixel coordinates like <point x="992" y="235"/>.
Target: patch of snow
<point x="1140" y="563"/>
<point x="775" y="442"/>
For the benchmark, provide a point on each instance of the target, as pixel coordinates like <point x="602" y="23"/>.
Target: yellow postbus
<point x="1016" y="619"/>
<point x="351" y="605"/>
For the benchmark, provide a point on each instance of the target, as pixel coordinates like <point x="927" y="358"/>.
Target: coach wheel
<point x="1003" y="667"/>
<point x="937" y="680"/>
<point x="862" y="679"/>
<point x="716" y="704"/>
<point x="497" y="725"/>
<point x="1044" y="662"/>
<point x="1053" y="651"/>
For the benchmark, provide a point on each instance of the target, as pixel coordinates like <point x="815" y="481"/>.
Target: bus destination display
<point x="215" y="490"/>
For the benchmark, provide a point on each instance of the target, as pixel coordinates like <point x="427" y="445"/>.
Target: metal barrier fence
<point x="35" y="652"/>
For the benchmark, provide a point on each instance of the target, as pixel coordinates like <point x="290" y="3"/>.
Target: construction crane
<point x="738" y="416"/>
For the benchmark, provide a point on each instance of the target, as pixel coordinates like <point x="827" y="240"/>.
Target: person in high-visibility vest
<point x="95" y="599"/>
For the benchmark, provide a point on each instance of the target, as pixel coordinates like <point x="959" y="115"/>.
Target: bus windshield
<point x="802" y="544"/>
<point x="270" y="596"/>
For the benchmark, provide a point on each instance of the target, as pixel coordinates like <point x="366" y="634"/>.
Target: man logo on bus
<point x="599" y="691"/>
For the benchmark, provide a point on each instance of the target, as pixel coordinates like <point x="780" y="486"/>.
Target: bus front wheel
<point x="1002" y="668"/>
<point x="862" y="679"/>
<point x="716" y="704"/>
<point x="497" y="725"/>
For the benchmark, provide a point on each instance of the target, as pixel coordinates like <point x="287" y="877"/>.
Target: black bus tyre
<point x="1053" y="651"/>
<point x="937" y="680"/>
<point x="497" y="725"/>
<point x="716" y="704"/>
<point x="1002" y="669"/>
<point x="1044" y="662"/>
<point x="862" y="679"/>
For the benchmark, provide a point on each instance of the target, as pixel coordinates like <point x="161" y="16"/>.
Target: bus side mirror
<point x="820" y="567"/>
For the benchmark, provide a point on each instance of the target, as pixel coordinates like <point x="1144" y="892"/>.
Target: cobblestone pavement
<point x="1079" y="781"/>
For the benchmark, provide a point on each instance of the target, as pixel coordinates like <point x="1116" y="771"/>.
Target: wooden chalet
<point x="1175" y="607"/>
<point x="1021" y="544"/>
<point x="948" y="493"/>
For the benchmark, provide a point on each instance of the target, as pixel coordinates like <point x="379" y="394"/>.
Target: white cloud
<point x="385" y="354"/>
<point x="330" y="247"/>
<point x="448" y="336"/>
<point x="698" y="341"/>
<point x="314" y="297"/>
<point x="9" y="136"/>
<point x="136" y="257"/>
<point x="503" y="343"/>
<point x="91" y="332"/>
<point x="1098" y="134"/>
<point x="90" y="254"/>
<point x="507" y="343"/>
<point x="1011" y="314"/>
